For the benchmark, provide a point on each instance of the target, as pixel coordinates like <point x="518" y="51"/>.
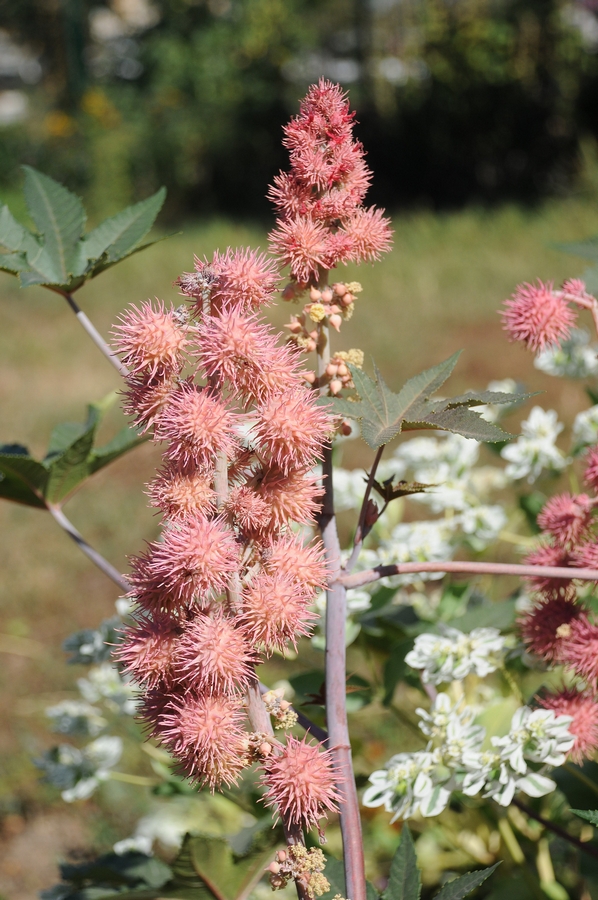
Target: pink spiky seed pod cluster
<point x="540" y="316"/>
<point x="321" y="217"/>
<point x="228" y="582"/>
<point x="559" y="628"/>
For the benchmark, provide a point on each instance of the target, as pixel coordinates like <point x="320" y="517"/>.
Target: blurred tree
<point x="461" y="100"/>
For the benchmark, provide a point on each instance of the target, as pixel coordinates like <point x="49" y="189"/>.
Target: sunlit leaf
<point x="384" y="414"/>
<point x="117" y="236"/>
<point x="59" y="217"/>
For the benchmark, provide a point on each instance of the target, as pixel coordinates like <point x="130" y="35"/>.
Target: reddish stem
<point x="467" y="568"/>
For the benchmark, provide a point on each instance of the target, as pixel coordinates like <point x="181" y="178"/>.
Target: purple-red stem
<point x="360" y="530"/>
<point x="336" y="679"/>
<point x="467" y="568"/>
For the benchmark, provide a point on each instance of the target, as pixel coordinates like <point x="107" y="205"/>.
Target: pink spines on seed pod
<point x="149" y="649"/>
<point x="538" y="316"/>
<point x="370" y="234"/>
<point x="195" y="558"/>
<point x="249" y="511"/>
<point x="275" y="610"/>
<point x="302" y="244"/>
<point x="549" y="555"/>
<point x="567" y="517"/>
<point x="586" y="555"/>
<point x="576" y="288"/>
<point x="590" y="475"/>
<point x="579" y="650"/>
<point x="324" y="115"/>
<point x="145" y="400"/>
<point x="244" y="279"/>
<point x="582" y="707"/>
<point x="241" y="350"/>
<point x="301" y="783"/>
<point x="291" y="430"/>
<point x="148" y="588"/>
<point x="151" y="341"/>
<point x="181" y="493"/>
<point x="214" y="655"/>
<point x="289" y="197"/>
<point x="205" y="734"/>
<point x="287" y="555"/>
<point x="546" y="625"/>
<point x="197" y="425"/>
<point x="156" y="704"/>
<point x="290" y="498"/>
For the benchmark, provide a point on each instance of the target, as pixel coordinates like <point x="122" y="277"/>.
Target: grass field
<point x="438" y="291"/>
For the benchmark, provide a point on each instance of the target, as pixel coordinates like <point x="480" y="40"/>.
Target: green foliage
<point x="590" y="815"/>
<point x="463" y="886"/>
<point x="60" y="256"/>
<point x="130" y="875"/>
<point x="205" y="869"/>
<point x="71" y="458"/>
<point x="384" y="414"/>
<point x="404" y="882"/>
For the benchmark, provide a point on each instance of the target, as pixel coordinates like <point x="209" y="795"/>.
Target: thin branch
<point x="96" y="337"/>
<point x="560" y="832"/>
<point x="96" y="558"/>
<point x="360" y="531"/>
<point x="467" y="568"/>
<point x="336" y="710"/>
<point x="303" y="720"/>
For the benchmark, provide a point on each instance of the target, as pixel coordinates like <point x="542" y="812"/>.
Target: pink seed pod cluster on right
<point x="558" y="628"/>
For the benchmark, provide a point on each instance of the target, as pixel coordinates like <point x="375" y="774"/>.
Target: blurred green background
<point x="480" y="120"/>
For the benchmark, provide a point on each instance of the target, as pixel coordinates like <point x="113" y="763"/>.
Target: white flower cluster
<point x="422" y="782"/>
<point x="452" y="655"/>
<point x="585" y="427"/>
<point x="79" y="771"/>
<point x="574" y="358"/>
<point x="535" y="449"/>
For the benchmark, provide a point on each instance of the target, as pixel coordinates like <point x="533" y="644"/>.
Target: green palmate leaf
<point x="60" y="217"/>
<point x="13" y="263"/>
<point x="22" y="478"/>
<point x="404" y="882"/>
<point x="590" y="815"/>
<point x="118" y="236"/>
<point x="132" y="875"/>
<point x="461" y="887"/>
<point x="14" y="236"/>
<point x="103" y="264"/>
<point x="70" y="459"/>
<point x="209" y="863"/>
<point x="383" y="414"/>
<point x="587" y="249"/>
